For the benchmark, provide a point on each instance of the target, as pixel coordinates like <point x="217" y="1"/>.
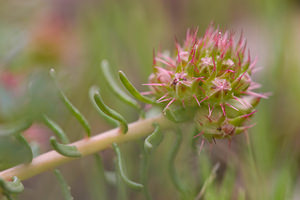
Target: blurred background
<point x="73" y="37"/>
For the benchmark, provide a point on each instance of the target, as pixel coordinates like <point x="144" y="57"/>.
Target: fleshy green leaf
<point x="26" y="146"/>
<point x="12" y="187"/>
<point x="65" y="150"/>
<point x="58" y="131"/>
<point x="14" y="150"/>
<point x="63" y="185"/>
<point x="106" y="117"/>
<point x="75" y="112"/>
<point x="130" y="183"/>
<point x="115" y="88"/>
<point x="153" y="140"/>
<point x="94" y="92"/>
<point x="133" y="91"/>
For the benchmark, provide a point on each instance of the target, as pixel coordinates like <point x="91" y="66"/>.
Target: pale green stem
<point x="86" y="146"/>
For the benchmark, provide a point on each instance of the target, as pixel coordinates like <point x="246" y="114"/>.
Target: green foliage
<point x="115" y="88"/>
<point x="125" y="32"/>
<point x="63" y="185"/>
<point x="63" y="149"/>
<point x="120" y="168"/>
<point x="150" y="144"/>
<point x="153" y="140"/>
<point x="58" y="131"/>
<point x="14" y="150"/>
<point x="176" y="180"/>
<point x="75" y="112"/>
<point x="132" y="90"/>
<point x="11" y="187"/>
<point x="11" y="129"/>
<point x="107" y="112"/>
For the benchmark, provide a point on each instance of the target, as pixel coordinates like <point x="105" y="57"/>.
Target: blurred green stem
<point x="144" y="174"/>
<point x="86" y="146"/>
<point x="171" y="165"/>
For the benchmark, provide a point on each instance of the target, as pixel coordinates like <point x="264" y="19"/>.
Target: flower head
<point x="211" y="75"/>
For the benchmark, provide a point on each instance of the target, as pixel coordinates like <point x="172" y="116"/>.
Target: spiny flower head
<point x="209" y="77"/>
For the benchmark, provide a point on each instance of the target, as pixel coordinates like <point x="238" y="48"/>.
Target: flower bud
<point x="210" y="78"/>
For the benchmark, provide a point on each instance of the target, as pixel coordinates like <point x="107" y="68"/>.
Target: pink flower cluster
<point x="211" y="74"/>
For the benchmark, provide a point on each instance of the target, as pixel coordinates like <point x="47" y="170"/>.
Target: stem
<point x="171" y="165"/>
<point x="86" y="146"/>
<point x="144" y="174"/>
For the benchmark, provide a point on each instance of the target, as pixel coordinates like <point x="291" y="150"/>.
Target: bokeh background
<point x="73" y="37"/>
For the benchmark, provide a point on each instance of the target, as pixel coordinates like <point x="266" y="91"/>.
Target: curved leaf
<point x="75" y="112"/>
<point x="65" y="150"/>
<point x="115" y="88"/>
<point x="106" y="117"/>
<point x="23" y="141"/>
<point x="11" y="187"/>
<point x="63" y="185"/>
<point x="153" y="140"/>
<point x="130" y="183"/>
<point x="132" y="90"/>
<point x="58" y="131"/>
<point x="108" y="111"/>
